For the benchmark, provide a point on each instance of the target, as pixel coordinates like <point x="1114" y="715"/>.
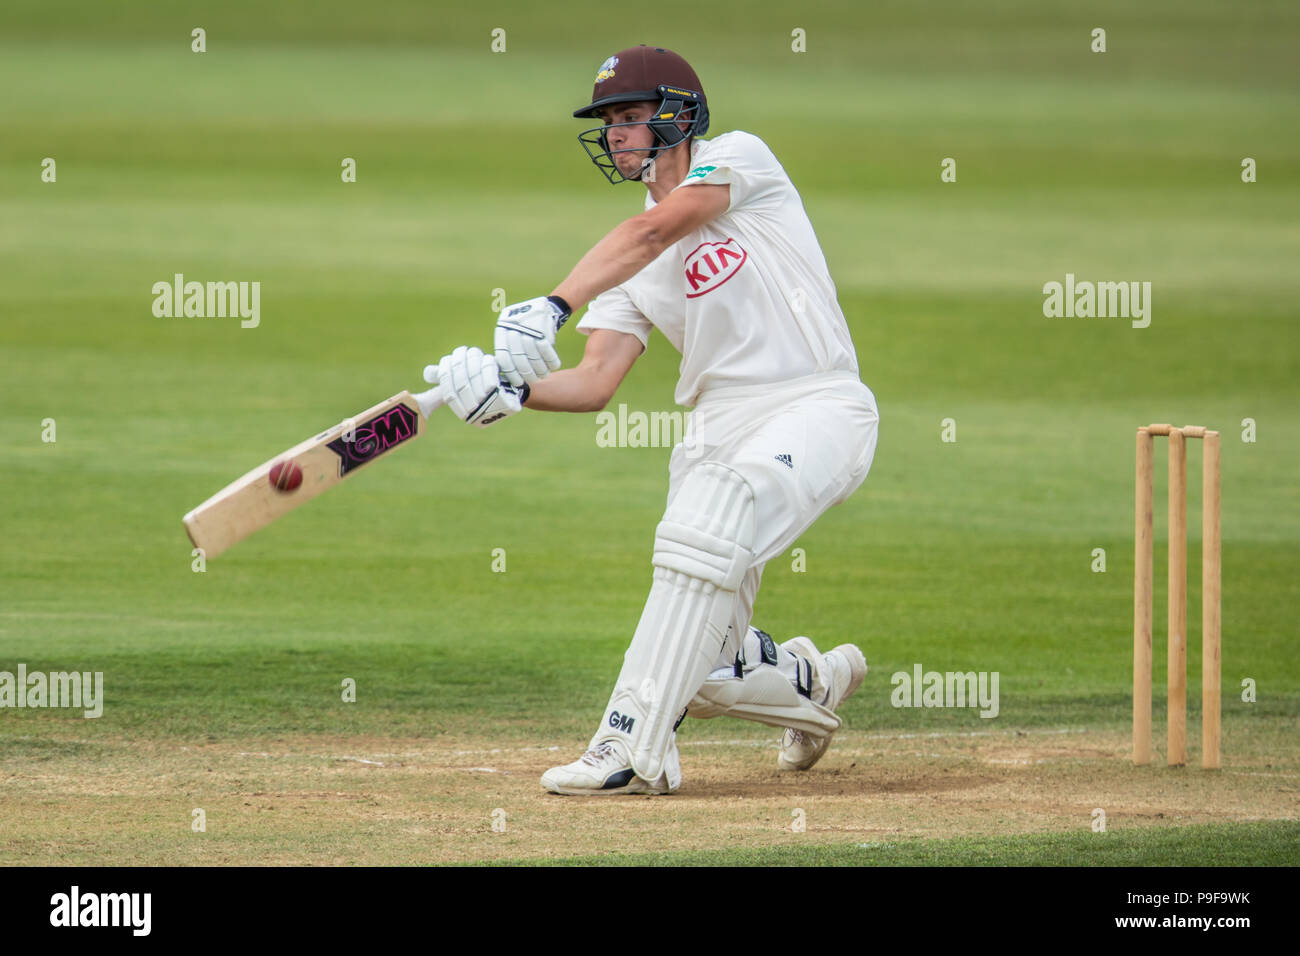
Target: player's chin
<point x="631" y="164"/>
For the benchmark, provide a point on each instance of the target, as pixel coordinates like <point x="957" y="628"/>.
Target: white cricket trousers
<point x="803" y="446"/>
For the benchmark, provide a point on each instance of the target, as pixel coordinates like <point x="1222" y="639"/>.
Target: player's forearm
<point x="568" y="390"/>
<point x="627" y="249"/>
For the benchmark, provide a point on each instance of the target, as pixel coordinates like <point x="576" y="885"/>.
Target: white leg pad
<point x="768" y="684"/>
<point x="702" y="551"/>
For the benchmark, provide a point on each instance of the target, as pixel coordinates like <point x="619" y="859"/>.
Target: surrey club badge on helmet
<point x="606" y="70"/>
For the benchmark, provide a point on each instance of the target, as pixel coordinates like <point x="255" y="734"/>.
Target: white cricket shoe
<point x="604" y="770"/>
<point x="837" y="674"/>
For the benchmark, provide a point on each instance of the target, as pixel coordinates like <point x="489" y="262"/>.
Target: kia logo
<point x="711" y="264"/>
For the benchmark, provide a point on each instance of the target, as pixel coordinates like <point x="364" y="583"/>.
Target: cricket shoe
<point x="836" y="675"/>
<point x="605" y="770"/>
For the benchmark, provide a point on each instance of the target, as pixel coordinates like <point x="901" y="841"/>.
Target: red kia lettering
<point x="721" y="260"/>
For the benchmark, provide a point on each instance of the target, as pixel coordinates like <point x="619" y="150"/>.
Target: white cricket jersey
<point x="747" y="298"/>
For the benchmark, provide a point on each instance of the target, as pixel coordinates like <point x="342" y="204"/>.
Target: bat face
<point x="302" y="472"/>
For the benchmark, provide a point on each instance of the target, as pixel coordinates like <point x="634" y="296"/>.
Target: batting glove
<point x="525" y="339"/>
<point x="471" y="385"/>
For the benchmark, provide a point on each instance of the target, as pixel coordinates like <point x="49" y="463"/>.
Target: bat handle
<point x="428" y="401"/>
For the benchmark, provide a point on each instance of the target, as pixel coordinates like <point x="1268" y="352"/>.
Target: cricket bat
<point x="297" y="475"/>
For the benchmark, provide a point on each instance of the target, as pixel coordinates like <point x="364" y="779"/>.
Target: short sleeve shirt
<point x="747" y="298"/>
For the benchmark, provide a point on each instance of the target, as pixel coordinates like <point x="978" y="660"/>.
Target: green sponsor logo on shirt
<point x="700" y="172"/>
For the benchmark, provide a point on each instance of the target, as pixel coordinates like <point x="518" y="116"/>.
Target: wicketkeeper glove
<point x="525" y="338"/>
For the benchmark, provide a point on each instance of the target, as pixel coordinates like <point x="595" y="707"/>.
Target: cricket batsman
<point x="724" y="262"/>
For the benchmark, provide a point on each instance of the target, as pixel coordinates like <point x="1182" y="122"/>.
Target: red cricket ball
<point x="285" y="476"/>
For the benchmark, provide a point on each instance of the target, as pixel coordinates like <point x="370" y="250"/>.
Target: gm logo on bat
<point x="711" y="264"/>
<point x="375" y="437"/>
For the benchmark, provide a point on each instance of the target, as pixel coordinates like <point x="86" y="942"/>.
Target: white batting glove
<point x="525" y="339"/>
<point x="471" y="385"/>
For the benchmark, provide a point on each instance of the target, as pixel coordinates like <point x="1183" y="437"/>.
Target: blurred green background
<point x="968" y="555"/>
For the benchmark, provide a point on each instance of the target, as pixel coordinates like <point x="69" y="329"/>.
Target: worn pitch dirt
<point x="323" y="800"/>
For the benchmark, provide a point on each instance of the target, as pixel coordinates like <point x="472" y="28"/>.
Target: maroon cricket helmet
<point x="653" y="74"/>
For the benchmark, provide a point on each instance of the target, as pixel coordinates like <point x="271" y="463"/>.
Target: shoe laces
<point x="595" y="756"/>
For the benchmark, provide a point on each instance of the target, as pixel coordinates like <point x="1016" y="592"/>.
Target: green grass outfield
<point x="973" y="555"/>
<point x="1231" y="844"/>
